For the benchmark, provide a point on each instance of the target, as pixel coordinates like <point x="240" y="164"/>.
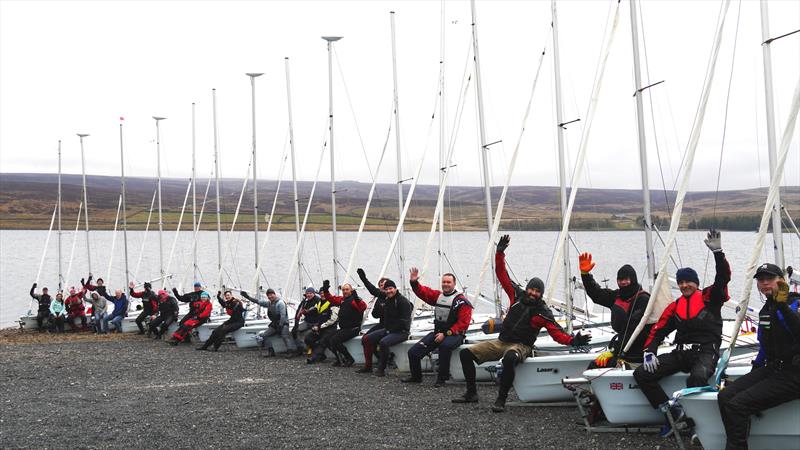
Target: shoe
<point x="337" y="363"/>
<point x="364" y="369"/>
<point x="499" y="405"/>
<point x="202" y="348"/>
<point x="380" y="373"/>
<point x="411" y="380"/>
<point x="322" y="358"/>
<point x="468" y="397"/>
<point x="349" y="362"/>
<point x="270" y="353"/>
<point x="439" y="383"/>
<point x="173" y="342"/>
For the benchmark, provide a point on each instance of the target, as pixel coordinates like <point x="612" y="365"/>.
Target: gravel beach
<point x="126" y="391"/>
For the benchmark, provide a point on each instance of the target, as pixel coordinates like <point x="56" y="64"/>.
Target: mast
<point x="255" y="177"/>
<point x="294" y="174"/>
<point x="484" y="148"/>
<point x="194" y="199"/>
<point x="400" y="248"/>
<point x="562" y="172"/>
<point x="441" y="131"/>
<point x="124" y="206"/>
<point x="85" y="203"/>
<point x="216" y="175"/>
<point x="331" y="40"/>
<point x="766" y="52"/>
<point x="60" y="271"/>
<point x="637" y="75"/>
<point x="158" y="190"/>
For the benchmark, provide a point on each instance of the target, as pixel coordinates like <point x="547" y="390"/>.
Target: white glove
<point x="650" y="362"/>
<point x="714" y="241"/>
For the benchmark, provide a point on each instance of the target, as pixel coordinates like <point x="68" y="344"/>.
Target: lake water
<point x="529" y="255"/>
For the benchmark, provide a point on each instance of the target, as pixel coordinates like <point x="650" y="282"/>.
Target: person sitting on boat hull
<point x="278" y="323"/>
<point x="775" y="378"/>
<point x="627" y="304"/>
<point x="304" y="319"/>
<point x="526" y="316"/>
<point x="235" y="309"/>
<point x="325" y="315"/>
<point x="100" y="312"/>
<point x="167" y="314"/>
<point x="697" y="317"/>
<point x="75" y="308"/>
<point x="393" y="311"/>
<point x="351" y="315"/>
<point x="43" y="310"/>
<point x="58" y="312"/>
<point x="452" y="316"/>
<point x="149" y="304"/>
<point x="120" y="311"/>
<point x="199" y="311"/>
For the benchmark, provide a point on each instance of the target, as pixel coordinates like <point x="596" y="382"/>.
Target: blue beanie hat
<point x="687" y="274"/>
<point x="310" y="289"/>
<point x="197" y="284"/>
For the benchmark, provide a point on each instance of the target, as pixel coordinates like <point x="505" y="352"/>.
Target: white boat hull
<point x="538" y="379"/>
<point x="774" y="429"/>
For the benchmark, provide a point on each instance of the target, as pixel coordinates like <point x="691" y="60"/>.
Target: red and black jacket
<point x="74" y="303"/>
<point x="351" y="309"/>
<point x="627" y="309"/>
<point x="698" y="318"/>
<point x="149" y="300"/>
<point x="234" y="308"/>
<point x="460" y="314"/>
<point x="526" y="316"/>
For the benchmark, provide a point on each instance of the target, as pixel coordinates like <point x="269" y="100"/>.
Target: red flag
<point x="121" y="118"/>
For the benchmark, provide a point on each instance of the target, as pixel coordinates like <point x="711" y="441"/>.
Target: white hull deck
<point x="774" y="429"/>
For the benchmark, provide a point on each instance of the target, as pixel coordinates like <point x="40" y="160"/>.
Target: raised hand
<point x="586" y="263"/>
<point x="131" y="285"/>
<point x="326" y="286"/>
<point x="361" y="273"/>
<point x="413" y="274"/>
<point x="502" y="244"/>
<point x="783" y="292"/>
<point x="714" y="241"/>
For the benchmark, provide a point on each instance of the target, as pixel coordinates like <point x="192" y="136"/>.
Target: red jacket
<point x="74" y="303"/>
<point x="538" y="321"/>
<point x="430" y="296"/>
<point x="337" y="300"/>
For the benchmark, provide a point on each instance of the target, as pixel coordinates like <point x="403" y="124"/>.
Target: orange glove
<point x="585" y="260"/>
<point x="602" y="358"/>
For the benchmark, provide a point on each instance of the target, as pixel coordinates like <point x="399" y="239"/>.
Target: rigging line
<point x="177" y="232"/>
<point x="197" y="230"/>
<point x="144" y="238"/>
<point x="756" y="109"/>
<point x="74" y="241"/>
<point x="353" y="113"/>
<point x="113" y="240"/>
<point x="46" y="244"/>
<point x="233" y="224"/>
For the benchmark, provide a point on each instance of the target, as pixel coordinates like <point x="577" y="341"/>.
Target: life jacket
<point x="349" y="316"/>
<point x="517" y="324"/>
<point x="74" y="304"/>
<point x="445" y="312"/>
<point x="44" y="302"/>
<point x="312" y="313"/>
<point x="696" y="322"/>
<point x="231" y="308"/>
<point x="776" y="338"/>
<point x="323" y="310"/>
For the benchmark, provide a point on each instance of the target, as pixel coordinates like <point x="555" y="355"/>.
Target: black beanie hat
<point x="270" y="291"/>
<point x="536" y="283"/>
<point x="389" y="283"/>
<point x="687" y="274"/>
<point x="627" y="271"/>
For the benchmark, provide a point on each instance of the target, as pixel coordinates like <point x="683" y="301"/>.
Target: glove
<point x="783" y="292"/>
<point x="175" y="291"/>
<point x="714" y="241"/>
<point x="34" y="285"/>
<point x="361" y="274"/>
<point x="83" y="283"/>
<point x="147" y="286"/>
<point x="502" y="244"/>
<point x="585" y="260"/>
<point x="89" y="280"/>
<point x="602" y="358"/>
<point x="326" y="286"/>
<point x="650" y="362"/>
<point x="579" y="340"/>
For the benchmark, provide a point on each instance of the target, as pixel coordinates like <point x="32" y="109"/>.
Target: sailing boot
<point x="500" y="403"/>
<point x="339" y="359"/>
<point x="270" y="353"/>
<point x="673" y="415"/>
<point x="411" y="379"/>
<point x="471" y="396"/>
<point x="347" y="358"/>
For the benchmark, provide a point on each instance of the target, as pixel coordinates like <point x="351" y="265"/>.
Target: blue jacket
<point x="120" y="305"/>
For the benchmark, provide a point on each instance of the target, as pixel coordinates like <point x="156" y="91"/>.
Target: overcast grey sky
<point x="68" y="67"/>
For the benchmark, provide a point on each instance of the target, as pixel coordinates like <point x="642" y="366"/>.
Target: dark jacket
<point x="234" y="308"/>
<point x="351" y="309"/>
<point x="779" y="333"/>
<point x="149" y="300"/>
<point x="627" y="309"/>
<point x="43" y="300"/>
<point x="393" y="314"/>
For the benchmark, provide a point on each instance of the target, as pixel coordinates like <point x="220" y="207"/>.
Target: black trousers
<point x="58" y="322"/>
<point x="41" y="316"/>
<point x="337" y="340"/>
<point x="319" y="341"/>
<point x="140" y="319"/>
<point x="761" y="389"/>
<point x="699" y="364"/>
<point x="160" y="324"/>
<point x="428" y="344"/>
<point x="218" y="335"/>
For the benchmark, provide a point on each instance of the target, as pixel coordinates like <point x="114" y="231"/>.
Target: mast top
<point x="82" y="135"/>
<point x="332" y="38"/>
<point x="159" y="118"/>
<point x="253" y="75"/>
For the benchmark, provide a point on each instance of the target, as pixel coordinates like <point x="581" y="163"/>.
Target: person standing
<point x="394" y="313"/>
<point x="235" y="309"/>
<point x="775" y="378"/>
<point x="452" y="316"/>
<point x="43" y="310"/>
<point x="697" y="317"/>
